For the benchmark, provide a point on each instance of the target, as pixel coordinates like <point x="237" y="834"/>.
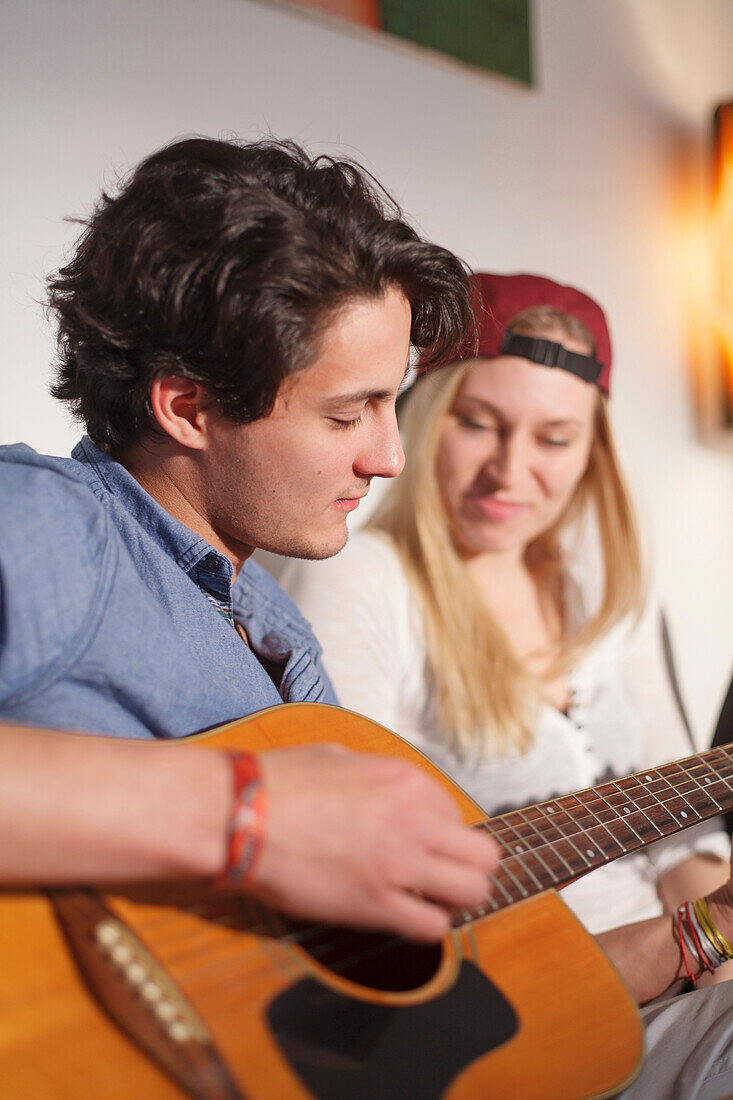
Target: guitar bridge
<point x="140" y="997"/>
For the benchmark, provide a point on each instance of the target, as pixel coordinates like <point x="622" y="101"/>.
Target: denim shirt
<point x="104" y="626"/>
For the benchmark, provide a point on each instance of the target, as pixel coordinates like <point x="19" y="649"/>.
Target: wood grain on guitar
<point x="162" y="992"/>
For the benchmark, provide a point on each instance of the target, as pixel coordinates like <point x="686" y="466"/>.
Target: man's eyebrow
<point x="360" y="396"/>
<point x="356" y="398"/>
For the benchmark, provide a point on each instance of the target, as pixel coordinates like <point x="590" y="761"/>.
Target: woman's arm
<point x="698" y="875"/>
<point x="648" y="955"/>
<point x="352" y="838"/>
<point x="694" y="877"/>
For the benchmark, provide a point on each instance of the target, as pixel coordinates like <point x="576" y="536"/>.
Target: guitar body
<point x="97" y="994"/>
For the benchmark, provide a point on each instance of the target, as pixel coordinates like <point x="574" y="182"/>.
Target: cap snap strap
<point x="551" y="354"/>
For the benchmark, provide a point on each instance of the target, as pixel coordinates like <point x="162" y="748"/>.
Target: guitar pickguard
<point x="339" y="1046"/>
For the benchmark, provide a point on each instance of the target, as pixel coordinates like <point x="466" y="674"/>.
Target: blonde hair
<point x="486" y="697"/>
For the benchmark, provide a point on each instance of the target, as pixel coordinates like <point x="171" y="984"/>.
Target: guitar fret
<point x="720" y="781"/>
<point x="708" y="780"/>
<point x="570" y="830"/>
<point x="523" y="853"/>
<point x="698" y="795"/>
<point x="635" y="802"/>
<point x="523" y="861"/>
<point x="581" y="870"/>
<point x="585" y="802"/>
<point x="541" y="818"/>
<point x="574" y="827"/>
<point x="496" y="881"/>
<point x="683" y="782"/>
<point x="507" y="869"/>
<point x="621" y="824"/>
<point x="517" y="850"/>
<point x="553" y="877"/>
<point x="669" y="808"/>
<point x="554" y="842"/>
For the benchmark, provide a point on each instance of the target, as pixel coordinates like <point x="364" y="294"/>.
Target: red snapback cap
<point x="499" y="298"/>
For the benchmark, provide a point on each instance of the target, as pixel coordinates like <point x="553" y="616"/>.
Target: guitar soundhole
<point x="377" y="961"/>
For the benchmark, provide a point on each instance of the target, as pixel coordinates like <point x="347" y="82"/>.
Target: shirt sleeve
<point x="648" y="680"/>
<point x="53" y="538"/>
<point x="357" y="604"/>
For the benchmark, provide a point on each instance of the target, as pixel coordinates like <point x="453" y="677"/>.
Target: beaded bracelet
<point x="712" y="932"/>
<point x="246" y="825"/>
<point x="711" y="952"/>
<point x="700" y="938"/>
<point x="689" y="944"/>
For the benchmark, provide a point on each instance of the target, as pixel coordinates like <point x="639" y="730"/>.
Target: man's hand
<point x="367" y="841"/>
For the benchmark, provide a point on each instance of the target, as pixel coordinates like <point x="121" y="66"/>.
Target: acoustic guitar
<point x="176" y="990"/>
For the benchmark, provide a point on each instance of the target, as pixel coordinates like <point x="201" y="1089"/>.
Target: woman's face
<point x="514" y="446"/>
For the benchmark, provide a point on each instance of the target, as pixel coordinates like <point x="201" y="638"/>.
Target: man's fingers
<point x="473" y="846"/>
<point x="415" y="917"/>
<point x="452" y="883"/>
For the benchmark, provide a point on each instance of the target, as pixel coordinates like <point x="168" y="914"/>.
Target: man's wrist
<point x="247" y="820"/>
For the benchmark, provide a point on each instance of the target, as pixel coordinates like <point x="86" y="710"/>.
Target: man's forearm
<point x="91" y="809"/>
<point x="349" y="837"/>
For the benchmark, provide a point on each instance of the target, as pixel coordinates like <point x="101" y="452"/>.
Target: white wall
<point x="577" y="177"/>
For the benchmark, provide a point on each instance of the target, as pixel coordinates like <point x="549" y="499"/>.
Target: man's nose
<point x="385" y="457"/>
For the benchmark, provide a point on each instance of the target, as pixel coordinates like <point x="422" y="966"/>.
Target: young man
<point x="234" y="327"/>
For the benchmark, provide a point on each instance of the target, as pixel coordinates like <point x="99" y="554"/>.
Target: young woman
<point x="494" y="613"/>
<point x="478" y="626"/>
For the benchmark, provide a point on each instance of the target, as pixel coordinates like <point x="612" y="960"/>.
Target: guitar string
<point x="497" y="829"/>
<point x="548" y="831"/>
<point x="556" y="835"/>
<point x="299" y="937"/>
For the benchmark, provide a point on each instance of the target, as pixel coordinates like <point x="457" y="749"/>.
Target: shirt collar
<point x="192" y="553"/>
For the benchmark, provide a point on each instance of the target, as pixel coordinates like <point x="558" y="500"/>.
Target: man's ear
<point x="182" y="409"/>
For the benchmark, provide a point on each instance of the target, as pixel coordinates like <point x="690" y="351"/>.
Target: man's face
<point x="287" y="482"/>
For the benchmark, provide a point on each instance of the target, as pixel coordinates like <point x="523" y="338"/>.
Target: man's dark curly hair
<point x="224" y="263"/>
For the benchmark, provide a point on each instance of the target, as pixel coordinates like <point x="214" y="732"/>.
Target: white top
<point x="622" y="717"/>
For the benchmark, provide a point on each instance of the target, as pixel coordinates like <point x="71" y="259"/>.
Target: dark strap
<point x="550" y="354"/>
<point x="724" y="735"/>
<point x="674" y="681"/>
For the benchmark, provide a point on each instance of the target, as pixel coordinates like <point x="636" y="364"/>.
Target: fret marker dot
<point x="648" y="778"/>
<point x="519" y="848"/>
<point x="707" y="779"/>
<point x="627" y="810"/>
<point x="589" y="852"/>
<point x="551" y="810"/>
<point x="682" y="813"/>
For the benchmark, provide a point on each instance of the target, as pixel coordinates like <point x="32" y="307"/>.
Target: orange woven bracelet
<point x="246" y="826"/>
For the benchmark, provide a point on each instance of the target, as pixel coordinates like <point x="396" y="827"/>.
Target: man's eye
<point x="345" y="424"/>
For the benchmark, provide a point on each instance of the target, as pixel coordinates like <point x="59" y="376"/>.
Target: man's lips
<point x="348" y="504"/>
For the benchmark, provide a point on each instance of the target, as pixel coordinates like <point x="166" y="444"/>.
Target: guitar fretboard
<point x="548" y="845"/>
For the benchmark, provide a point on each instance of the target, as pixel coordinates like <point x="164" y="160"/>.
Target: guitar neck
<point x="548" y="845"/>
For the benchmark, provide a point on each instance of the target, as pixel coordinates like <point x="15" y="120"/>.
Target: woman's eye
<point x="346" y="424"/>
<point x="550" y="441"/>
<point x="467" y="422"/>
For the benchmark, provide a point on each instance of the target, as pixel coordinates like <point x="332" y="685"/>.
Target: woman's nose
<point x="508" y="461"/>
